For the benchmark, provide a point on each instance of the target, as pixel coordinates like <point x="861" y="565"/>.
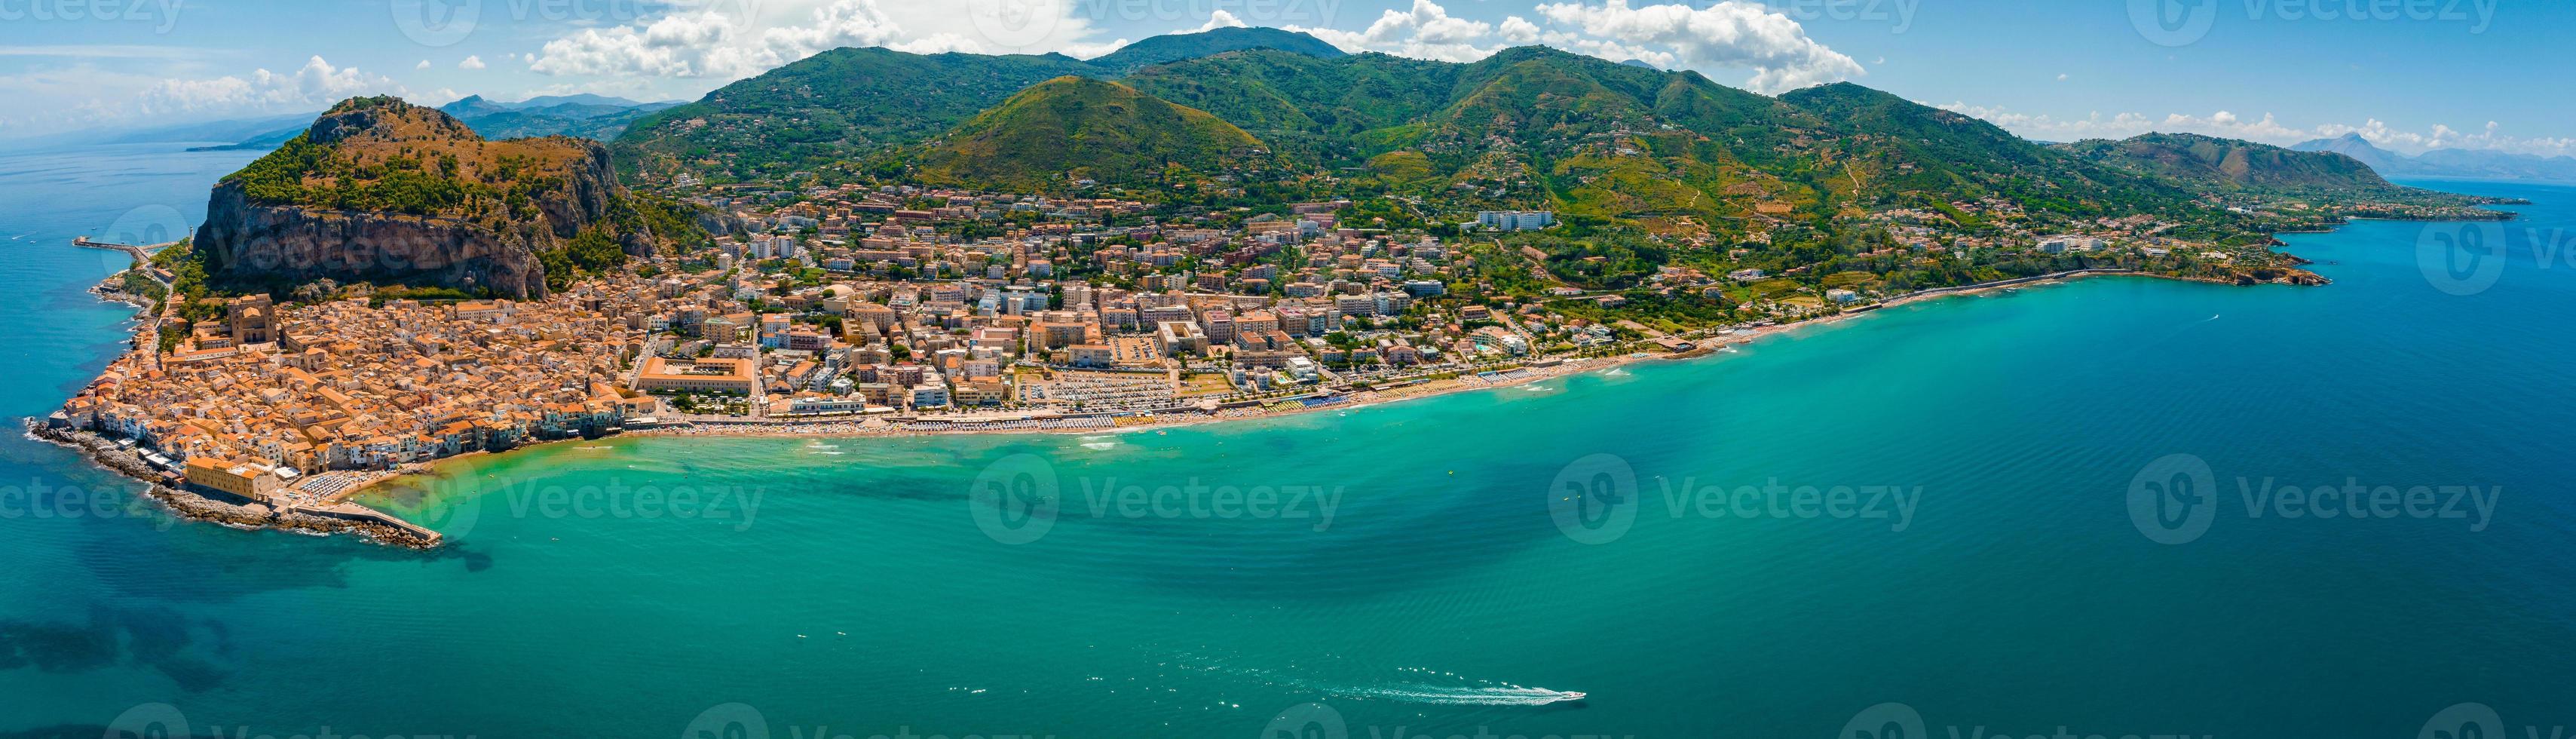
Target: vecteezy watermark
<point x="1016" y="24"/>
<point x="438" y="23"/>
<point x="1596" y="500"/>
<point x="162" y="14"/>
<point x="1319" y="721"/>
<point x="1901" y="721"/>
<point x="2480" y="721"/>
<point x="142" y="226"/>
<point x="2463" y="258"/>
<point x="1307" y="721"/>
<point x="2176" y="499"/>
<point x="2468" y="257"/>
<point x="741" y="721"/>
<point x="40" y="500"/>
<point x="1017" y="499"/>
<point x="1898" y="14"/>
<point x="453" y="508"/>
<point x="164" y="721"/>
<point x="2186" y="22"/>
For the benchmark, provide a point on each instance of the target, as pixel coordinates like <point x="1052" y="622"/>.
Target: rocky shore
<point x="191" y="506"/>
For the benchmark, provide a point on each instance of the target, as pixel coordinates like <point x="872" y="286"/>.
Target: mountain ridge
<point x="2449" y="163"/>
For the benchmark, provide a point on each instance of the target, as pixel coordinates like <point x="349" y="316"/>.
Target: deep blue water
<point x="2047" y="442"/>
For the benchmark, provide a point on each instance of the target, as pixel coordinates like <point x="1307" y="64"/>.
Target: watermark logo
<point x="2466" y="721"/>
<point x="447" y="508"/>
<point x="2462" y="258"/>
<point x="1885" y="721"/>
<point x="1307" y="721"/>
<point x="1900" y="721"/>
<point x="728" y="721"/>
<point x="142" y="226"/>
<point x="1018" y="499"/>
<point x="2173" y="499"/>
<point x="453" y="509"/>
<point x="2177" y="498"/>
<point x="2173" y="22"/>
<point x="1594" y="499"/>
<point x="436" y="23"/>
<point x="1016" y="24"/>
<point x="741" y="721"/>
<point x="163" y="14"/>
<point x="40" y="500"/>
<point x="442" y="23"/>
<point x="1015" y="500"/>
<point x="1898" y="14"/>
<point x="149" y="721"/>
<point x="164" y="721"/>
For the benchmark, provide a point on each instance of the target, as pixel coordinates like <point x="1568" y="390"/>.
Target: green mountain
<point x="847" y="103"/>
<point x="1315" y="109"/>
<point x="1074" y="128"/>
<point x="1550" y="129"/>
<point x="828" y="107"/>
<point x="2226" y="164"/>
<point x="1178" y="46"/>
<point x="1533" y="127"/>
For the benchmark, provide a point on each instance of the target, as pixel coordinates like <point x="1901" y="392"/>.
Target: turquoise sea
<point x="2021" y="514"/>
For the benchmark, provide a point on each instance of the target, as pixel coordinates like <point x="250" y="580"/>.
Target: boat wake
<point x="1460" y="696"/>
<point x="1451" y="689"/>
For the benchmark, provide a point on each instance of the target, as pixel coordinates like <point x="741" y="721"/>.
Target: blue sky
<point x="2409" y="74"/>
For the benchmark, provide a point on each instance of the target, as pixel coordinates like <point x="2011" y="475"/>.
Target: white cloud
<point x="1519" y="30"/>
<point x="2266" y="129"/>
<point x="2061" y="77"/>
<point x="1727" y="34"/>
<point x="471" y="62"/>
<point x="424" y="64"/>
<point x="1424" y="31"/>
<point x="756" y="37"/>
<point x="313" y="85"/>
<point x="1221" y="19"/>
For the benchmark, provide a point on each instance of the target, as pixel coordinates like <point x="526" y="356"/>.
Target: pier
<point x="141" y="254"/>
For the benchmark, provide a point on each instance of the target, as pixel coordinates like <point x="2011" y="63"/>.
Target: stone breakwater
<point x="374" y="526"/>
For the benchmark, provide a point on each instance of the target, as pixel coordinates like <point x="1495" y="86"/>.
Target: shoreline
<point x="387" y="527"/>
<point x="375" y="526"/>
<point x="1703" y="348"/>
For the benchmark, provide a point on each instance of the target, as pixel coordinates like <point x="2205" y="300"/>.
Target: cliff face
<point x="389" y="192"/>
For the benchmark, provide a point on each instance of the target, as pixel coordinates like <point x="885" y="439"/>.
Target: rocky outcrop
<point x="572" y="188"/>
<point x="244" y="241"/>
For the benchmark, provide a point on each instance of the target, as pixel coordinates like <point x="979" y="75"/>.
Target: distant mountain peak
<point x="1175" y="47"/>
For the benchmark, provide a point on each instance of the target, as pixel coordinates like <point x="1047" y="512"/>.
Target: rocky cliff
<point x="379" y="190"/>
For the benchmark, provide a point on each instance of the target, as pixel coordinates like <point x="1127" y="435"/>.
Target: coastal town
<point x="905" y="310"/>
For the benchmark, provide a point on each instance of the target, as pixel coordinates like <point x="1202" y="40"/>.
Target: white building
<point x="1515" y="220"/>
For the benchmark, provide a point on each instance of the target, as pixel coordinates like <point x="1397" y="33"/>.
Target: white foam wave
<point x="1457" y="695"/>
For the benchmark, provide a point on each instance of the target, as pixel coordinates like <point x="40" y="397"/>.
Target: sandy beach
<point x="1706" y="343"/>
